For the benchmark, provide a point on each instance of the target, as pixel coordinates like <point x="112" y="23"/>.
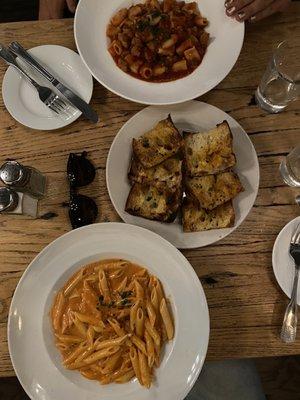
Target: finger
<point x="252" y="9"/>
<point x="232" y="6"/>
<point x="279" y="5"/>
<point x="72" y="4"/>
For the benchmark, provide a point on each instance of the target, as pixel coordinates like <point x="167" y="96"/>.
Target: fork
<point x="289" y="326"/>
<point x="46" y="95"/>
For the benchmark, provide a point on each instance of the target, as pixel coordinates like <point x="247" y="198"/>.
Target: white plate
<point x="283" y="264"/>
<point x="22" y="100"/>
<point x="227" y="35"/>
<point x="37" y="362"/>
<point x="192" y="116"/>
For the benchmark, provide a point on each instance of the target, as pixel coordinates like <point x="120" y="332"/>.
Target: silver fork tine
<point x="63" y="103"/>
<point x="58" y="106"/>
<point x="60" y="103"/>
<point x="52" y="107"/>
<point x="295" y="234"/>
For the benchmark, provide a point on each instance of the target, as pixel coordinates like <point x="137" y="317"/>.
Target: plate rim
<point x="32" y="126"/>
<point x="108" y="161"/>
<point x="149" y="103"/>
<point x="121" y="225"/>
<point x="275" y="249"/>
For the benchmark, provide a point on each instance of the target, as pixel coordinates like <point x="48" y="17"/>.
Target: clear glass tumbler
<point x="280" y="83"/>
<point x="290" y="168"/>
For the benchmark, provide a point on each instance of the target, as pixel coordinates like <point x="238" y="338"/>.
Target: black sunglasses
<point x="81" y="172"/>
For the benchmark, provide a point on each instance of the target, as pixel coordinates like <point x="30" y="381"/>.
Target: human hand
<point x="52" y="9"/>
<point x="254" y="10"/>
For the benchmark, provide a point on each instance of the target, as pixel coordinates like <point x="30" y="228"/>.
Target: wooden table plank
<point x="245" y="302"/>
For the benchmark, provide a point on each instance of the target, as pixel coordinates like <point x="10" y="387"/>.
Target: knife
<point x="75" y="100"/>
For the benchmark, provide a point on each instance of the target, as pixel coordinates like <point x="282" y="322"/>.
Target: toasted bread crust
<point x="209" y="152"/>
<point x="213" y="190"/>
<point x="196" y="219"/>
<point x="152" y="203"/>
<point x="160" y="143"/>
<point x="167" y="174"/>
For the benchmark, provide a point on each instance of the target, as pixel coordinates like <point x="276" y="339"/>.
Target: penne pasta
<point x="166" y="317"/>
<point x="127" y="376"/>
<point x="111" y="364"/>
<point x="69" y="338"/>
<point x="116" y="326"/>
<point x="111" y="325"/>
<point x="139" y="291"/>
<point x="89" y="319"/>
<point x="90" y="336"/>
<point x="75" y="354"/>
<point x="122" y="285"/>
<point x="151" y="312"/>
<point x="144" y="368"/>
<point x="139" y="344"/>
<point x="103" y="286"/>
<point x="133" y="312"/>
<point x="139" y="325"/>
<point x="58" y="310"/>
<point x="135" y="363"/>
<point x="98" y="355"/>
<point x="110" y="343"/>
<point x="152" y="332"/>
<point x="79" y="326"/>
<point x="150" y="349"/>
<point x="160" y="293"/>
<point x="154" y="299"/>
<point x="73" y="283"/>
<point x="89" y="374"/>
<point x="78" y="362"/>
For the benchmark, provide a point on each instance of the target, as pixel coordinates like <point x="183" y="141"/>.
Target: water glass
<point x="290" y="168"/>
<point x="280" y="83"/>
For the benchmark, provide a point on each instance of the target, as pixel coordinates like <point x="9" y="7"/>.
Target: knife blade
<point x="75" y="100"/>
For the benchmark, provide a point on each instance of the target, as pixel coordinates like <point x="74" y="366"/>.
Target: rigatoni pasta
<point x="111" y="320"/>
<point x="158" y="41"/>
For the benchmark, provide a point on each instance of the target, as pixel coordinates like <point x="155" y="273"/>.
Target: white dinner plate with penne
<point x="157" y="51"/>
<point x="193" y="116"/>
<point x="108" y="311"/>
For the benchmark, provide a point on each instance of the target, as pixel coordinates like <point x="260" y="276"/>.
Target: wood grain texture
<point x="246" y="305"/>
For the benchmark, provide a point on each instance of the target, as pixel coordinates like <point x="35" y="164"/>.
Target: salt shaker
<point x="12" y="202"/>
<point x="23" y="178"/>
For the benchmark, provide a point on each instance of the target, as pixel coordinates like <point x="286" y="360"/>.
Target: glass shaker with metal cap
<point x="23" y="178"/>
<point x="12" y="202"/>
<point x="9" y="200"/>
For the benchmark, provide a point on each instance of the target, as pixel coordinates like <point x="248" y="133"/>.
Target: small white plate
<point x="35" y="358"/>
<point x="191" y="116"/>
<point x="283" y="263"/>
<point x="227" y="35"/>
<point x="21" y="98"/>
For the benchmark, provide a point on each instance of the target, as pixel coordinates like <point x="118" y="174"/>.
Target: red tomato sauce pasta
<point x="158" y="41"/>
<point x="110" y="322"/>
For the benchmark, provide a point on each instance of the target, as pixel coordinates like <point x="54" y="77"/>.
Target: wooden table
<point x="246" y="305"/>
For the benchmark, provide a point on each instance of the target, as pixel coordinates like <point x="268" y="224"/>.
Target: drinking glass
<point x="280" y="83"/>
<point x="290" y="168"/>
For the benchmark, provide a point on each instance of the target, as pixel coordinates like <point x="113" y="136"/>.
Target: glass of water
<point x="290" y="168"/>
<point x="280" y="83"/>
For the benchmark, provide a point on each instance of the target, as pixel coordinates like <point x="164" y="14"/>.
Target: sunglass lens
<point x="83" y="210"/>
<point x="80" y="170"/>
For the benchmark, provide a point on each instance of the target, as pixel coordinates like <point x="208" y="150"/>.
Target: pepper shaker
<point x="23" y="178"/>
